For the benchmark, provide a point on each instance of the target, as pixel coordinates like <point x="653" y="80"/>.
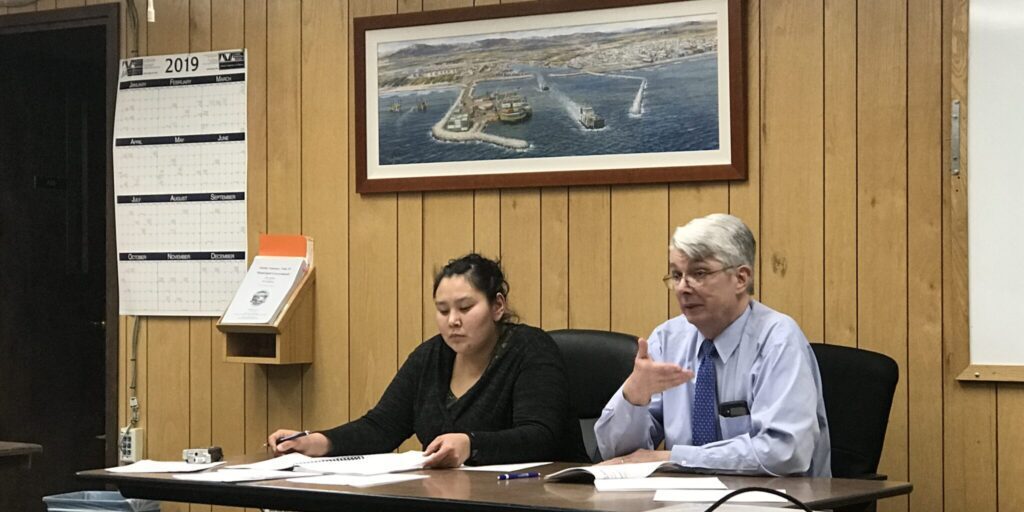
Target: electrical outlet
<point x="129" y="446"/>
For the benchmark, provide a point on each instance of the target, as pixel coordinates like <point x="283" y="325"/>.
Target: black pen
<point x="291" y="437"/>
<point x="513" y="476"/>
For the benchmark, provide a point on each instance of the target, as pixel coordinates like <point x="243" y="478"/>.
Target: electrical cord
<point x="133" y="400"/>
<point x="133" y="28"/>
<point x="737" y="492"/>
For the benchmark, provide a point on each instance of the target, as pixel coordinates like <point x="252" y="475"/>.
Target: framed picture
<point x="550" y="93"/>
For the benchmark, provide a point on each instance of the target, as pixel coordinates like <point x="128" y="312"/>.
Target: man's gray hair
<point x="718" y="236"/>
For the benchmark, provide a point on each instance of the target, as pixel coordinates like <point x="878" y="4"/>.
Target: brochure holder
<point x="287" y="340"/>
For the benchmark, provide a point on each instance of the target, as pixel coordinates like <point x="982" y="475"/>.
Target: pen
<point x="291" y="437"/>
<point x="513" y="476"/>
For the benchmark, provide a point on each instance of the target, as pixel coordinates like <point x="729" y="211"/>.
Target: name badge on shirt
<point x="733" y="409"/>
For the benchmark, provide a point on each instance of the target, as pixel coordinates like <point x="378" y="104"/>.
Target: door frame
<point x="108" y="17"/>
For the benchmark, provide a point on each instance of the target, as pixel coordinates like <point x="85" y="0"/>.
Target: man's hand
<point x="640" y="455"/>
<point x="314" y="445"/>
<point x="650" y="377"/>
<point x="447" y="451"/>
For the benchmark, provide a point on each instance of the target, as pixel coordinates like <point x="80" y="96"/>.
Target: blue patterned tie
<point x="705" y="404"/>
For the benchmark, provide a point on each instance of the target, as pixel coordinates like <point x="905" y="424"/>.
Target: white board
<point x="995" y="191"/>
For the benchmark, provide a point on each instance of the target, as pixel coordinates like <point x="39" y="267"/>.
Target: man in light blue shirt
<point x="757" y="409"/>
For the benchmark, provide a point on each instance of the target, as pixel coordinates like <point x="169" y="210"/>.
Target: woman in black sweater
<point x="484" y="391"/>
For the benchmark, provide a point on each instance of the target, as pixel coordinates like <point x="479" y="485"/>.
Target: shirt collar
<point x="729" y="339"/>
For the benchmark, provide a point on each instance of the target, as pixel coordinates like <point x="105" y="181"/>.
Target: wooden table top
<point x="469" y="490"/>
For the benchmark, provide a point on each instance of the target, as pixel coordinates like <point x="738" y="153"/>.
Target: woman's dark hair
<point x="483" y="274"/>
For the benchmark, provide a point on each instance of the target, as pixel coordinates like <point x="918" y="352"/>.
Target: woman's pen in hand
<point x="513" y="476"/>
<point x="290" y="437"/>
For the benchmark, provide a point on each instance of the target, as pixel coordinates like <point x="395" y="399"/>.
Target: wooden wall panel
<point x="554" y="258"/>
<point x="284" y="176"/>
<point x="882" y="208"/>
<point x="21" y="9"/>
<point x="1010" y="470"/>
<point x="373" y="257"/>
<point x="639" y="258"/>
<point x="791" y="162"/>
<point x="487" y="222"/>
<point x="745" y="196"/>
<point x="227" y="380"/>
<point x="840" y="110"/>
<point x="256" y="427"/>
<point x="590" y="265"/>
<point x="520" y="251"/>
<point x="969" y="410"/>
<point x="924" y="253"/>
<point x="325" y="206"/>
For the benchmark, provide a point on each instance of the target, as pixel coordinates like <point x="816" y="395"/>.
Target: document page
<point x="655" y="483"/>
<point x="264" y="290"/>
<point x="635" y="470"/>
<point x="710" y="496"/>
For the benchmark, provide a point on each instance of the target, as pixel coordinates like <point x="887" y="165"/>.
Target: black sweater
<point x="519" y="410"/>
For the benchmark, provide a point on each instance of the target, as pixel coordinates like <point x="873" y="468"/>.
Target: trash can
<point x="86" y="501"/>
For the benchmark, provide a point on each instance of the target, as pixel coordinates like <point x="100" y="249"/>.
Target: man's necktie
<point x="705" y="404"/>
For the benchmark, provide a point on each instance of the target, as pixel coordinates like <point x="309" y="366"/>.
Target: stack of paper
<point x="265" y="289"/>
<point x="281" y="263"/>
<point x="356" y="480"/>
<point x="376" y="464"/>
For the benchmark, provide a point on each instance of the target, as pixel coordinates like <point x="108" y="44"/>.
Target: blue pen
<point x="513" y="476"/>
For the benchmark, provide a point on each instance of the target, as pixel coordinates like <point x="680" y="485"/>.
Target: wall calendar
<point x="179" y="181"/>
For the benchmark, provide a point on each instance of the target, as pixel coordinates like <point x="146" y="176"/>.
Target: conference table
<point x="17" y="455"/>
<point x="456" y="490"/>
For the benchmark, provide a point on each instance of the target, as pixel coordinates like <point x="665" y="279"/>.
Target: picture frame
<point x="552" y="93"/>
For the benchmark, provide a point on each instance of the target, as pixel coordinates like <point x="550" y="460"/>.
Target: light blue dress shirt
<point x="763" y="359"/>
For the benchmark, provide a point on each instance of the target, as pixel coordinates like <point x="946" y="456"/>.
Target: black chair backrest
<point x="597" y="362"/>
<point x="858" y="387"/>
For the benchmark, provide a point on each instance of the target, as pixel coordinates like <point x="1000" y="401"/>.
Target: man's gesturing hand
<point x="650" y="377"/>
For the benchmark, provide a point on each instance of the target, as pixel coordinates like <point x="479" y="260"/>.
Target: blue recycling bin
<point x="88" y="501"/>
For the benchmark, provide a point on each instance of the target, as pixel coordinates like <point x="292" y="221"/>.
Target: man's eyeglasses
<point x="693" y="279"/>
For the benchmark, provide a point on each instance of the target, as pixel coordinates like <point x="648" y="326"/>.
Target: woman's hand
<point x="447" y="451"/>
<point x="314" y="444"/>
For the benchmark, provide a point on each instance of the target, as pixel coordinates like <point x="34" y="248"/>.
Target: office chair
<point x="597" y="362"/>
<point x="858" y="387"/>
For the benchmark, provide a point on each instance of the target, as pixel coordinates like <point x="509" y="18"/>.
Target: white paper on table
<point x="357" y="480"/>
<point x="503" y="468"/>
<point x="372" y="464"/>
<point x="709" y="496"/>
<point x="159" y="466"/>
<point x="236" y="475"/>
<point x="276" y="464"/>
<point x="655" y="483"/>
<point x="727" y="507"/>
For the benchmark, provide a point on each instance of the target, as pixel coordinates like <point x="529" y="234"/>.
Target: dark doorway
<point x="57" y="302"/>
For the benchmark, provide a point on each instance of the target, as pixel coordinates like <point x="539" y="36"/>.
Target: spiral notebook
<point x="375" y="464"/>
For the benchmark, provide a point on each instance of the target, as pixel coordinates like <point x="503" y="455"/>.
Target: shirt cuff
<point x="686" y="455"/>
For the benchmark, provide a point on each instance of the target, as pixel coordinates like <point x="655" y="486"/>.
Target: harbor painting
<point x="645" y="93"/>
